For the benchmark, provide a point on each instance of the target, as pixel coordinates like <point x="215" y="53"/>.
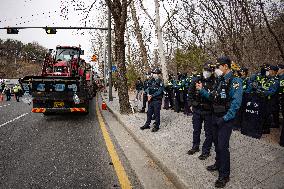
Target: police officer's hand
<point x="220" y="121"/>
<point x="149" y="97"/>
<point x="198" y="86"/>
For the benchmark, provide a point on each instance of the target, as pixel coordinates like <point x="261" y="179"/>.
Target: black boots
<point x="145" y="127"/>
<point x="204" y="156"/>
<point x="155" y="129"/>
<point x="212" y="168"/>
<point x="192" y="151"/>
<point x="221" y="182"/>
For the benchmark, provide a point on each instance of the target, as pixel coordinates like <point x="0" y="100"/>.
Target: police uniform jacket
<point x="195" y="99"/>
<point x="146" y="85"/>
<point x="227" y="94"/>
<point x="155" y="89"/>
<point x="271" y="86"/>
<point x="255" y="83"/>
<point x="168" y="87"/>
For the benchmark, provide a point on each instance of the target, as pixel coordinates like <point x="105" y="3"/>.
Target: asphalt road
<point x="55" y="151"/>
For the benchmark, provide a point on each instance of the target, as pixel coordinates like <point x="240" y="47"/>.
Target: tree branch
<point x="169" y="17"/>
<point x="146" y="12"/>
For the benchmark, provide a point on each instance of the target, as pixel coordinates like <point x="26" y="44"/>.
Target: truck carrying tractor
<point x="66" y="83"/>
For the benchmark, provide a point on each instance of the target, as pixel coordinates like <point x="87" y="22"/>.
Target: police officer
<point x="269" y="91"/>
<point x="16" y="90"/>
<point x="226" y="98"/>
<point x="155" y="95"/>
<point x="256" y="85"/>
<point x="7" y="91"/>
<point x="202" y="112"/>
<point x="273" y="97"/>
<point x="281" y="99"/>
<point x="185" y="82"/>
<point x="168" y="100"/>
<point x="139" y="87"/>
<point x="177" y="93"/>
<point x="145" y="87"/>
<point x="2" y="87"/>
<point x="244" y="75"/>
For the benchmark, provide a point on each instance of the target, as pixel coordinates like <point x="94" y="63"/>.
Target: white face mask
<point x="155" y="76"/>
<point x="218" y="72"/>
<point x="267" y="73"/>
<point x="206" y="74"/>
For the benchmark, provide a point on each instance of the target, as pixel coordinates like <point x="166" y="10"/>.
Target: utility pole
<point x="105" y="64"/>
<point x="110" y="98"/>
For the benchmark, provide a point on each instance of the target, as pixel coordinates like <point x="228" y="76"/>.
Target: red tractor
<point x="65" y="85"/>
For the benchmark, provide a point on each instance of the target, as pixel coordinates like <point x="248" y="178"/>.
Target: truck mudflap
<point x="58" y="110"/>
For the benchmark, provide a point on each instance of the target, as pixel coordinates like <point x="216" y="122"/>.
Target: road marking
<point x="14" y="119"/>
<point x="119" y="169"/>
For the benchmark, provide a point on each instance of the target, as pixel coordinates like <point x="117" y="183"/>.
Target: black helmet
<point x="244" y="69"/>
<point x="156" y="71"/>
<point x="208" y="66"/>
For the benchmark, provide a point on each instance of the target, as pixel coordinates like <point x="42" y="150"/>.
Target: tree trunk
<point x="122" y="80"/>
<point x="139" y="37"/>
<point x="160" y="41"/>
<point x="118" y="10"/>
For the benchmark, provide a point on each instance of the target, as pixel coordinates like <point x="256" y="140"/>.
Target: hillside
<point x="18" y="59"/>
<point x="20" y="69"/>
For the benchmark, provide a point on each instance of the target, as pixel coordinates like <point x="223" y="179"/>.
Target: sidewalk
<point x="254" y="163"/>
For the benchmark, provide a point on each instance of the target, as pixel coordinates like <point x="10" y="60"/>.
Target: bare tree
<point x="159" y="32"/>
<point x="118" y="10"/>
<point x="139" y="37"/>
<point x="279" y="45"/>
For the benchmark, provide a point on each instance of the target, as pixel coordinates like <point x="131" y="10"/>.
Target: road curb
<point x="177" y="182"/>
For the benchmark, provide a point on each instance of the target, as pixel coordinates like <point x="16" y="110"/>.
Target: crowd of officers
<point x="8" y="91"/>
<point x="222" y="98"/>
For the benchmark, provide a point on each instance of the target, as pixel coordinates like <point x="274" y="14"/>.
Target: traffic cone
<point x="104" y="106"/>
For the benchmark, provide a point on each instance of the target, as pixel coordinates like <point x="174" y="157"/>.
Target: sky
<point x="42" y="13"/>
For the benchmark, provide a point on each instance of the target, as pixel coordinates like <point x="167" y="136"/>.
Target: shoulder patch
<point x="236" y="85"/>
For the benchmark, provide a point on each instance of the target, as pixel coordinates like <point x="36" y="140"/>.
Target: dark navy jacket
<point x="234" y="94"/>
<point x="155" y="89"/>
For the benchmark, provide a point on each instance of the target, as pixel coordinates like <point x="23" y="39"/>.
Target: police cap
<point x="223" y="60"/>
<point x="156" y="71"/>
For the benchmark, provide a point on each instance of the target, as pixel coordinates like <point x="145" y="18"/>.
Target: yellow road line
<point x="120" y="171"/>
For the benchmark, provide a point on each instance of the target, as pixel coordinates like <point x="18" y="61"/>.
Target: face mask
<point x="155" y="76"/>
<point x="267" y="73"/>
<point x="218" y="72"/>
<point x="206" y="74"/>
